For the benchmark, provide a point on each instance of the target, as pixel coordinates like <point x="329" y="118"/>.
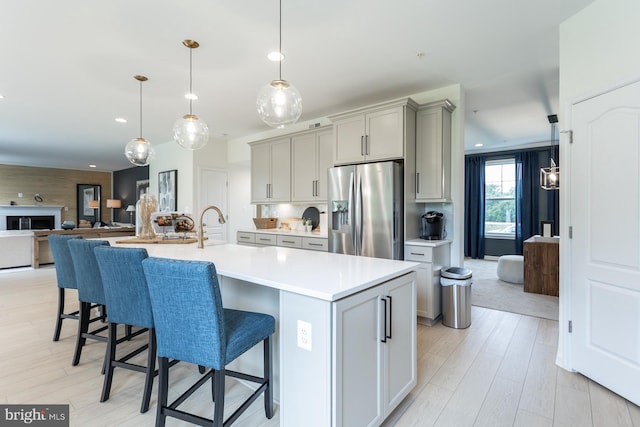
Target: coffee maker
<point x="433" y="226"/>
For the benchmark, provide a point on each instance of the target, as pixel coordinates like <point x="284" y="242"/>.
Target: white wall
<point x="598" y="51"/>
<point x="169" y="156"/>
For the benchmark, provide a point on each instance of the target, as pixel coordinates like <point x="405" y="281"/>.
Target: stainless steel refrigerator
<point x="366" y="210"/>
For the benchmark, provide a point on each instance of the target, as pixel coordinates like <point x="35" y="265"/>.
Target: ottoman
<point x="511" y="268"/>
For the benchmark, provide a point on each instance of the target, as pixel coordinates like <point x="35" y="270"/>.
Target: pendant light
<point x="279" y="103"/>
<point x="550" y="177"/>
<point x="189" y="131"/>
<point x="139" y="151"/>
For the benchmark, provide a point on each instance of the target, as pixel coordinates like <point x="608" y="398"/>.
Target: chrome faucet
<point x="201" y="230"/>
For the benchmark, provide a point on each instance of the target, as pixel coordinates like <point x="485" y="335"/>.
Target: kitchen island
<point x="345" y="341"/>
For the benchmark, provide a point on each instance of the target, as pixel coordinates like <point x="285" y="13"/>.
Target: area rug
<point x="499" y="295"/>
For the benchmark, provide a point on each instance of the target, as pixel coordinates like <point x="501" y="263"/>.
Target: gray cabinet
<point x="257" y="238"/>
<point x="433" y="152"/>
<point x="428" y="291"/>
<point x="271" y="171"/>
<point x="374" y="353"/>
<point x="373" y="133"/>
<point x="311" y="156"/>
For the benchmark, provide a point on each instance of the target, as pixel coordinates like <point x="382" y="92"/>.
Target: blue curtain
<point x="474" y="206"/>
<point x="527" y="196"/>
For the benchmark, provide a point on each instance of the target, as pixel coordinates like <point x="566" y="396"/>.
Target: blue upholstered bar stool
<point x="192" y="326"/>
<point x="127" y="296"/>
<point x="65" y="275"/>
<point x="90" y="290"/>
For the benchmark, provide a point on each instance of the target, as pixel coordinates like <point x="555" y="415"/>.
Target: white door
<point x="212" y="186"/>
<point x="605" y="248"/>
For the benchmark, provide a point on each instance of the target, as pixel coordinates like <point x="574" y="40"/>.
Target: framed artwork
<point x="142" y="187"/>
<point x="88" y="202"/>
<point x="167" y="191"/>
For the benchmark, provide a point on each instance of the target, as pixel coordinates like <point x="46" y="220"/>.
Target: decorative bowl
<point x="68" y="225"/>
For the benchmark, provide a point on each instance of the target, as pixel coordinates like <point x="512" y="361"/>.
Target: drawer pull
<point x="264" y="240"/>
<point x="314" y="244"/>
<point x="414" y="253"/>
<point x="288" y="241"/>
<point x="244" y="237"/>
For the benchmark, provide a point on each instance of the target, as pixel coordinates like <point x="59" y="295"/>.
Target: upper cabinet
<point x="433" y="152"/>
<point x="373" y="133"/>
<point x="291" y="168"/>
<point x="311" y="156"/>
<point x="271" y="171"/>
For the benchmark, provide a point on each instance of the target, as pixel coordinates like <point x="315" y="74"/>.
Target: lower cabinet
<point x="249" y="238"/>
<point x="374" y="352"/>
<point x="429" y="294"/>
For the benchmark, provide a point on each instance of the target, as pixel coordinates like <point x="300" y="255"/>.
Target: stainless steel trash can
<point x="456" y="297"/>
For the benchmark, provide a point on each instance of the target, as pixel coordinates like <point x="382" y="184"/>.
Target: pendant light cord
<point x="190" y="81"/>
<point x="280" y="48"/>
<point x="140" y="108"/>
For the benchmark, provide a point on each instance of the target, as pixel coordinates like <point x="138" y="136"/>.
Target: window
<point x="500" y="204"/>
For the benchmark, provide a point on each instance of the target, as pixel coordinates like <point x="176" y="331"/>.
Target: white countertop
<point x="321" y="275"/>
<point x="315" y="233"/>
<point x="430" y="243"/>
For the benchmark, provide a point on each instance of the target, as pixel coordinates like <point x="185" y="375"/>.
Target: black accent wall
<point x="124" y="188"/>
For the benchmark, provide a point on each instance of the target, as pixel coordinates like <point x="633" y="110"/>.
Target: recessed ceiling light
<point x="121" y="120"/>
<point x="191" y="96"/>
<point x="92" y="166"/>
<point x="275" y="56"/>
<point x="1" y="96"/>
<point x="478" y="145"/>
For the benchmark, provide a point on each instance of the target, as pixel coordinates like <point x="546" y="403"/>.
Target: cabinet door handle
<point x="418" y="183"/>
<point x="366" y="145"/>
<point x="384" y="319"/>
<point x="362" y="145"/>
<point x="390" y="318"/>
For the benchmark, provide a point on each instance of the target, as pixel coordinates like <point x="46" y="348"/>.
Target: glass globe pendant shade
<point x="191" y="132"/>
<point x="139" y="151"/>
<point x="279" y="104"/>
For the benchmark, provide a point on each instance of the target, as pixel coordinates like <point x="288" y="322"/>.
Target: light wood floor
<point x="499" y="372"/>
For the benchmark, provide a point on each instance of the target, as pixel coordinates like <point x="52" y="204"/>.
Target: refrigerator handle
<point x="359" y="215"/>
<point x="351" y="212"/>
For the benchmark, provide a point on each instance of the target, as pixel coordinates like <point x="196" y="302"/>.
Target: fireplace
<point x="33" y="222"/>
<point x="35" y="212"/>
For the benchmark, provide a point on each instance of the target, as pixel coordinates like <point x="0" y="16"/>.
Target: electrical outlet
<point x="304" y="335"/>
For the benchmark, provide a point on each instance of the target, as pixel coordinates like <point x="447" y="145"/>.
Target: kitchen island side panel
<point x="305" y="343"/>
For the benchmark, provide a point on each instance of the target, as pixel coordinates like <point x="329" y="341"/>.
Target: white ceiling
<point x="67" y="67"/>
